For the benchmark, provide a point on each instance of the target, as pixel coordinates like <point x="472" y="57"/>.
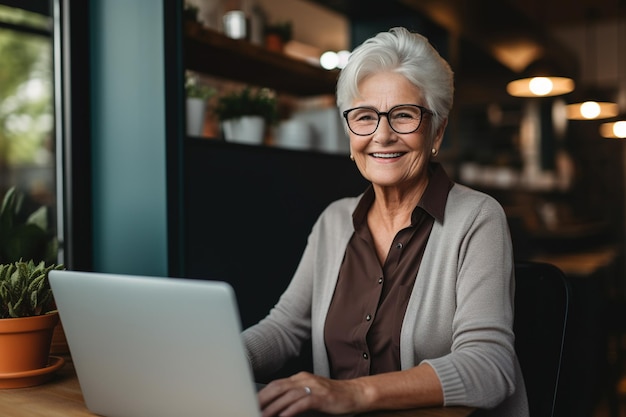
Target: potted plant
<point x="244" y="114"/>
<point x="197" y="95"/>
<point x="27" y="311"/>
<point x="190" y="12"/>
<point x="277" y="35"/>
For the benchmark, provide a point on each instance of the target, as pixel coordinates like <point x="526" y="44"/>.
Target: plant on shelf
<point x="196" y="89"/>
<point x="190" y="12"/>
<point x="27" y="310"/>
<point x="245" y="114"/>
<point x="284" y="30"/>
<point x="277" y="35"/>
<point x="197" y="94"/>
<point x="247" y="102"/>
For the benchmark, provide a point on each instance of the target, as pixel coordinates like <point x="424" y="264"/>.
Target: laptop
<point x="150" y="346"/>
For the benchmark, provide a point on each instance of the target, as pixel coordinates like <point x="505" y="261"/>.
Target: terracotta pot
<point x="275" y="43"/>
<point x="25" y="342"/>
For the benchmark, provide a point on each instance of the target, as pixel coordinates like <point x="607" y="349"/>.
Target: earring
<point x="352" y="157"/>
<point x="434" y="151"/>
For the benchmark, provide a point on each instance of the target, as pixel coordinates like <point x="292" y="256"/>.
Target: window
<point x="27" y="142"/>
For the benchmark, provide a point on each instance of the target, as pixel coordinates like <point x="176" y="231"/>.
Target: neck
<point x="393" y="206"/>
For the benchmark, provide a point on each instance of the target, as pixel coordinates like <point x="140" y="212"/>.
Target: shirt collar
<point x="435" y="195"/>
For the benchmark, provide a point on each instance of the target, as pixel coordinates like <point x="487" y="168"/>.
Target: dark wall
<point x="248" y="211"/>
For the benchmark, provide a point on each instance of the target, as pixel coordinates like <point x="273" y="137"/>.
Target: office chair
<point x="542" y="303"/>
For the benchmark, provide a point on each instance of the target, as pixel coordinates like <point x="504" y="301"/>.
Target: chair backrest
<point x="542" y="303"/>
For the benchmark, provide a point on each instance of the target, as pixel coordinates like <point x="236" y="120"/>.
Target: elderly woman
<point x="406" y="292"/>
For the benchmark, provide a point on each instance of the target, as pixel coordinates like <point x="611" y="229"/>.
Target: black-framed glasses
<point x="403" y="118"/>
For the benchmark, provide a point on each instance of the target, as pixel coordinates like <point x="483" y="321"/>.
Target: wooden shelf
<point x="210" y="52"/>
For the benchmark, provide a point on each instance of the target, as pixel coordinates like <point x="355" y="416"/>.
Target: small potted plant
<point x="244" y="114"/>
<point x="197" y="95"/>
<point x="27" y="311"/>
<point x="190" y="12"/>
<point x="277" y="35"/>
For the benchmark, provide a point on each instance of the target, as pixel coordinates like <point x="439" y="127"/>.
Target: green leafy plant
<point x="25" y="289"/>
<point x="195" y="89"/>
<point x="25" y="235"/>
<point x="190" y="12"/>
<point x="247" y="103"/>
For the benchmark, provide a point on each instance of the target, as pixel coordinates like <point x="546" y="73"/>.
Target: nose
<point x="384" y="133"/>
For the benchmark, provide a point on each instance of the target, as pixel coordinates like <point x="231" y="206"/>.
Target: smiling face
<point x="387" y="158"/>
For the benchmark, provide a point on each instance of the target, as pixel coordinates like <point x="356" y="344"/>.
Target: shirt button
<point x="365" y="355"/>
<point x="399" y="245"/>
<point x="380" y="280"/>
<point x="368" y="317"/>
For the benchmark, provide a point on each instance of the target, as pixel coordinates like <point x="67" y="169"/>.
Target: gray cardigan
<point x="459" y="318"/>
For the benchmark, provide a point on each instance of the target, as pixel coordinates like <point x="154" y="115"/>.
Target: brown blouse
<point x="362" y="330"/>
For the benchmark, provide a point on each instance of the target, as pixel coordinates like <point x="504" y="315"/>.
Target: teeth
<point x="387" y="155"/>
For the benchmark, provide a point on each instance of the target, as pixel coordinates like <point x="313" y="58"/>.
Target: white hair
<point x="406" y="53"/>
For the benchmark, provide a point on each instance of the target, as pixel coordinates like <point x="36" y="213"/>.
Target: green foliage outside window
<point x="26" y="121"/>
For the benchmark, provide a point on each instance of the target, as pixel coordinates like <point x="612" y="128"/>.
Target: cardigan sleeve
<point x="473" y="261"/>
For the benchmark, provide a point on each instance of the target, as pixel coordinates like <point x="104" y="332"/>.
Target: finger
<point x="279" y="387"/>
<point x="293" y="402"/>
<point x="272" y="391"/>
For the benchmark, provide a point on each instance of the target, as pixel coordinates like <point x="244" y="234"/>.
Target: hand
<point x="304" y="391"/>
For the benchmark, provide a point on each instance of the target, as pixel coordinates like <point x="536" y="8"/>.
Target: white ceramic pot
<point x="295" y="134"/>
<point x="196" y="109"/>
<point x="247" y="129"/>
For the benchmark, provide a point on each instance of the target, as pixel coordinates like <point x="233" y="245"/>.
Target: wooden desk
<point x="61" y="397"/>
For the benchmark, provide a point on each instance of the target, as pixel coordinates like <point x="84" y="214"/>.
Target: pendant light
<point x="614" y="130"/>
<point x="595" y="105"/>
<point x="541" y="78"/>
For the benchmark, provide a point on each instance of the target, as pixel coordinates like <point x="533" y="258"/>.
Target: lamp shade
<point x="594" y="104"/>
<point x="615" y="129"/>
<point x="591" y="110"/>
<point x="541" y="78"/>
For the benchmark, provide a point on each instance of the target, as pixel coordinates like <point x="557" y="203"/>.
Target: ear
<point x="439" y="134"/>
